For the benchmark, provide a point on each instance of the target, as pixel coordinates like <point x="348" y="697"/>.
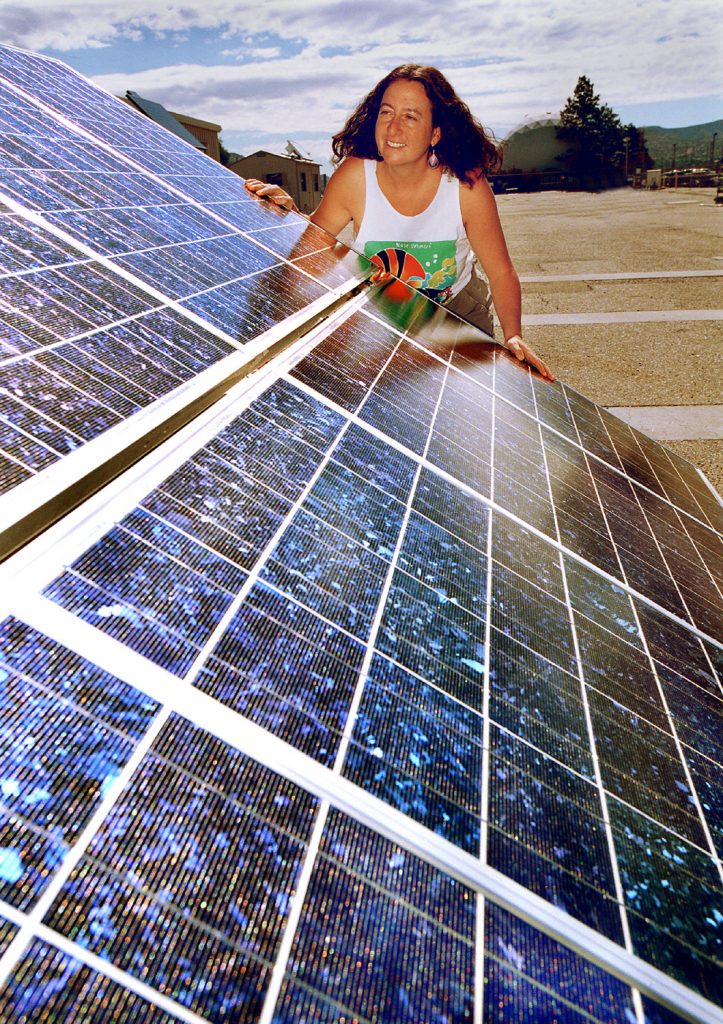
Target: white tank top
<point x="430" y="251"/>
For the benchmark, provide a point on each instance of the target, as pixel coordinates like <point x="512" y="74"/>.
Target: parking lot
<point x="622" y="297"/>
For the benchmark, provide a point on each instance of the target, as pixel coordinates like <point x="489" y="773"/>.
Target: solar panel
<point x="350" y="671"/>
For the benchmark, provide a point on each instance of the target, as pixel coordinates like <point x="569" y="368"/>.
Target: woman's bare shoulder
<point x="477" y="196"/>
<point x="349" y="173"/>
<point x="344" y="197"/>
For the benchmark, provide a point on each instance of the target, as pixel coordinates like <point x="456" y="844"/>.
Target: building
<point x="533" y="145"/>
<point x="205" y="132"/>
<point x="298" y="176"/>
<point x="203" y="135"/>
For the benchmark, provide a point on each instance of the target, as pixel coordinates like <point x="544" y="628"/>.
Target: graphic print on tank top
<point x="428" y="267"/>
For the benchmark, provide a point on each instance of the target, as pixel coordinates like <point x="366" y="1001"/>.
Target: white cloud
<point x="289" y="68"/>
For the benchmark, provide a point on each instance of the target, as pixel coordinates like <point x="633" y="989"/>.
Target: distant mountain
<point x="693" y="145"/>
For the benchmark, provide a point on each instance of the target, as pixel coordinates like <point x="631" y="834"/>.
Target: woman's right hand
<point x="274" y="193"/>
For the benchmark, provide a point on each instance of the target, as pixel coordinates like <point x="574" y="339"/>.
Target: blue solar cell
<point x="347" y="360"/>
<point x="454" y="570"/>
<point x="337" y="577"/>
<point x="419" y="751"/>
<point x="530" y="978"/>
<point x="368" y="942"/>
<point x="555" y="815"/>
<point x="665" y="883"/>
<point x="539" y="702"/>
<point x="437" y="639"/>
<point x="528" y="556"/>
<point x="75" y="680"/>
<point x="640" y="764"/>
<point x="136" y="591"/>
<point x="284" y="668"/>
<point x="49" y="983"/>
<point x="187" y="884"/>
<point x="71" y="728"/>
<point x="534" y="618"/>
<point x="621" y="671"/>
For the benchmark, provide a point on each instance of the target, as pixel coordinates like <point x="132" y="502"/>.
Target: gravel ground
<point x="622" y="296"/>
<point x="634" y="232"/>
<point x="627" y="230"/>
<point x="637" y="364"/>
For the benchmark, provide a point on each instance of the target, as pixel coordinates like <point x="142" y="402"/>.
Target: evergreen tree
<point x="596" y="137"/>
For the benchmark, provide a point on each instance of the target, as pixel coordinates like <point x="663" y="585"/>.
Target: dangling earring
<point x="433" y="159"/>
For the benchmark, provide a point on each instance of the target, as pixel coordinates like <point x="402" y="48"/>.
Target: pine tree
<point x="596" y="137"/>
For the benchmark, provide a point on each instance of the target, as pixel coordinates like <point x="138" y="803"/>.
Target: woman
<point x="412" y="177"/>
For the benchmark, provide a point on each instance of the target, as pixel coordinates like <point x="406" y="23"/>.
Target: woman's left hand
<point x="525" y="354"/>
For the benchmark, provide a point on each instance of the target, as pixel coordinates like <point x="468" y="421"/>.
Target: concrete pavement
<point x="623" y="297"/>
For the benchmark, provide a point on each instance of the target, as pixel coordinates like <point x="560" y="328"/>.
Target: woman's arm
<point x="484" y="231"/>
<point x="342" y="202"/>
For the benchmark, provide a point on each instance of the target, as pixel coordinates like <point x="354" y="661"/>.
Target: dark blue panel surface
<point x="672" y="894"/>
<point x="370" y="941"/>
<point x="68" y="730"/>
<point x="531" y="979"/>
<point x="188" y="881"/>
<point x="420" y="751"/>
<point x="50" y="985"/>
<point x="287" y="670"/>
<point x="547" y="832"/>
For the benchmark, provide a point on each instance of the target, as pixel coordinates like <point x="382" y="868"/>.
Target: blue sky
<point x="294" y="69"/>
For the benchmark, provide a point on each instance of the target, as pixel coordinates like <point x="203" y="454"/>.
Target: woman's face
<point x="404" y="130"/>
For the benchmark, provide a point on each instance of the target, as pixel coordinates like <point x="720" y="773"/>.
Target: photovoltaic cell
<point x="112" y="324"/>
<point x="48" y="981"/>
<point x="394" y="625"/>
<point x="161" y="871"/>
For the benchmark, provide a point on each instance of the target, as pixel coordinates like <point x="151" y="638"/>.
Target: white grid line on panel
<point x="103" y="967"/>
<point x="492" y="504"/>
<point x="480" y="937"/>
<point x="277" y="755"/>
<point x="20" y="942"/>
<point x="710" y="489"/>
<point x="345" y="741"/>
<point x="278" y="972"/>
<point x="599" y="785"/>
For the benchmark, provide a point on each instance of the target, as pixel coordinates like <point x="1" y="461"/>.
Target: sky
<point x="268" y="72"/>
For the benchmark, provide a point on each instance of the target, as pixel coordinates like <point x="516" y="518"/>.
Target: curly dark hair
<point x="465" y="148"/>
